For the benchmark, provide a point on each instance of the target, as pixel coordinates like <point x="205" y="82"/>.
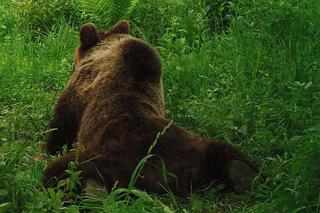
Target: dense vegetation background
<point x="245" y="72"/>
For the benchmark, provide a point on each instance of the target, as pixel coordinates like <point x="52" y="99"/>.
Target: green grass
<point x="255" y="85"/>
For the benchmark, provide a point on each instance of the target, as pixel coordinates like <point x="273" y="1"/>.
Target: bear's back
<point x="120" y="82"/>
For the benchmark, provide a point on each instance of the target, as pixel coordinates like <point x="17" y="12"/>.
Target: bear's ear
<point x="122" y="27"/>
<point x="89" y="36"/>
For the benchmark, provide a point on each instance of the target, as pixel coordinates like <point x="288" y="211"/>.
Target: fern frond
<point x="107" y="12"/>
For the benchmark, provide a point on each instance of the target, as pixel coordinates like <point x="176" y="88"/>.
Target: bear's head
<point x="90" y="36"/>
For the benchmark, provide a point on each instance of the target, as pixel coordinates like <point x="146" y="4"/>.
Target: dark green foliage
<point x="220" y="13"/>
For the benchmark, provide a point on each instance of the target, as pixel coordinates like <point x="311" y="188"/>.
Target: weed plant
<point x="244" y="72"/>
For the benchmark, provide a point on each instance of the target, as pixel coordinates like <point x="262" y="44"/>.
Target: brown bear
<point x="112" y="112"/>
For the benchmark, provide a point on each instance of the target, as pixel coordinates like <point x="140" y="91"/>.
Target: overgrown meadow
<point x="245" y="72"/>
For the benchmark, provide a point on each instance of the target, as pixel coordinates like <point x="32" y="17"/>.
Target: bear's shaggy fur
<point x="111" y="112"/>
